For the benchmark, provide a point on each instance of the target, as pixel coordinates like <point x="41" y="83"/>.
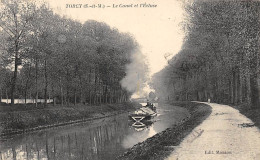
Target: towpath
<point x="224" y="135"/>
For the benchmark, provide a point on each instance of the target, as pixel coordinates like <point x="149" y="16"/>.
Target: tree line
<point x="219" y="59"/>
<point x="44" y="55"/>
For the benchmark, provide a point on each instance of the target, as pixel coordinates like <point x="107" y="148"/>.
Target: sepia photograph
<point x="129" y="80"/>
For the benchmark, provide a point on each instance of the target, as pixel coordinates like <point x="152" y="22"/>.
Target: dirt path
<point x="225" y="134"/>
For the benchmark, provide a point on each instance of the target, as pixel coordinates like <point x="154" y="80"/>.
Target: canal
<point x="102" y="139"/>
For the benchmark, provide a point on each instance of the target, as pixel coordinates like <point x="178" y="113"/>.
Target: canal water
<point x="102" y="139"/>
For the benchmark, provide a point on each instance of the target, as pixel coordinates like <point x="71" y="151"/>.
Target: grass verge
<point x="162" y="144"/>
<point x="251" y="113"/>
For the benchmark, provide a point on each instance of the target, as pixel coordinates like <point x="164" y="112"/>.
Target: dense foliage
<point x="44" y="55"/>
<point x="220" y="55"/>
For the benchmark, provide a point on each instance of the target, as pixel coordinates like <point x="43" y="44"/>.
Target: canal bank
<point x="20" y="118"/>
<point x="162" y="144"/>
<point x="99" y="139"/>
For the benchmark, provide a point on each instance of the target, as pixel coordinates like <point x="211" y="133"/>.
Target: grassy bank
<point x="161" y="145"/>
<point x="23" y="118"/>
<point x="253" y="114"/>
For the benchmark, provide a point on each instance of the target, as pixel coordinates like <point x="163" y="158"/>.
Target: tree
<point x="15" y="18"/>
<point x="220" y="56"/>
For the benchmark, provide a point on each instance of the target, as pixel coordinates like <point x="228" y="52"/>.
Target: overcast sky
<point x="157" y="30"/>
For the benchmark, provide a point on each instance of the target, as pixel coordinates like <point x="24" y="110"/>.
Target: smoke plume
<point x="136" y="74"/>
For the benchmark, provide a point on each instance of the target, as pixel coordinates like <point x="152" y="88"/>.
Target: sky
<point x="157" y="30"/>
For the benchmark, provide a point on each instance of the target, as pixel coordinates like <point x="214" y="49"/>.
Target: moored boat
<point x="142" y="114"/>
<point x="139" y="115"/>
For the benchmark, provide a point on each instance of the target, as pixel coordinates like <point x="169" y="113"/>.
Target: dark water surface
<point x="102" y="139"/>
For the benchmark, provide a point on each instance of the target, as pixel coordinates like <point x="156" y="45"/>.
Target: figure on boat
<point x="150" y="105"/>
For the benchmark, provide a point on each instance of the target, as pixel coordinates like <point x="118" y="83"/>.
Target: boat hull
<point x="140" y="118"/>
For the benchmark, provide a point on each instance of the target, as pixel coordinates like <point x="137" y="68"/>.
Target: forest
<point x="219" y="59"/>
<point x="47" y="56"/>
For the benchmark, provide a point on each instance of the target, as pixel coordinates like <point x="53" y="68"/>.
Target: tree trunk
<point x="61" y="93"/>
<point x="90" y="101"/>
<point x="248" y="89"/>
<point x="67" y="96"/>
<point x="26" y="85"/>
<point x="1" y="95"/>
<point x="205" y="95"/>
<point x="75" y="97"/>
<point x="80" y="91"/>
<point x="100" y="100"/>
<point x="109" y="98"/>
<point x="36" y="82"/>
<point x="14" y="79"/>
<point x="52" y="93"/>
<point x="25" y="95"/>
<point x="254" y="91"/>
<point x="235" y="87"/>
<point x="100" y="90"/>
<point x="231" y="90"/>
<point x="106" y="101"/>
<point x="240" y="87"/>
<point x="46" y="82"/>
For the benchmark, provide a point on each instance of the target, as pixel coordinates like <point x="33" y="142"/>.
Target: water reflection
<point x="88" y="141"/>
<point x="141" y="134"/>
<point x="96" y="140"/>
<point x="140" y="125"/>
